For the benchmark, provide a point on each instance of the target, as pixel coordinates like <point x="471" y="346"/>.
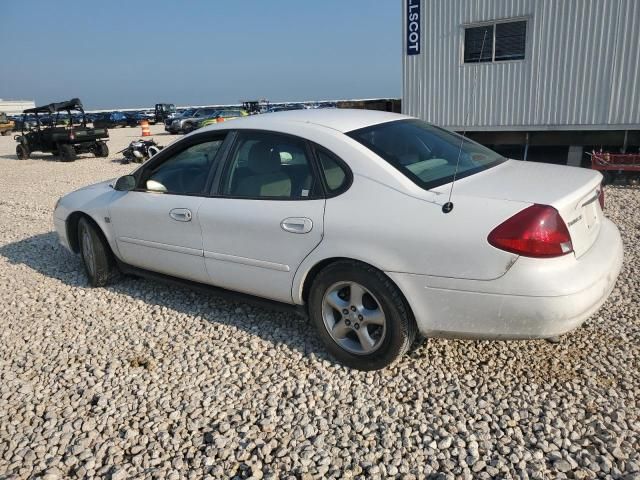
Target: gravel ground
<point x="140" y="380"/>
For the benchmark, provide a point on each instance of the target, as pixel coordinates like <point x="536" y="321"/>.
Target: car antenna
<point x="448" y="206"/>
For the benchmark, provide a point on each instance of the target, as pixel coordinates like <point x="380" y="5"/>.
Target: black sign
<point x="413" y="27"/>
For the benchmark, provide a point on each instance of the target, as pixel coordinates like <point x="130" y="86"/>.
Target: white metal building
<point x="546" y="72"/>
<point x="15" y="106"/>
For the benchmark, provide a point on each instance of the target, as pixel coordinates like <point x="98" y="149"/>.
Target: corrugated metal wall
<point x="581" y="67"/>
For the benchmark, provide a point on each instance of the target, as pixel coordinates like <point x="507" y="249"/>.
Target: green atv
<point x="65" y="140"/>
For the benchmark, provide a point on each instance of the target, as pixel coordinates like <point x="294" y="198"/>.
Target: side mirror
<point x="154" y="186"/>
<point x="125" y="183"/>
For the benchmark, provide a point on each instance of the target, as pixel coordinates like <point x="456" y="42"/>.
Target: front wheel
<point x="101" y="150"/>
<point x="67" y="152"/>
<point x="22" y="152"/>
<point x="360" y="315"/>
<point x="96" y="256"/>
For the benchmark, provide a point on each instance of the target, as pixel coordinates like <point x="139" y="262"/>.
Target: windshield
<point x="425" y="153"/>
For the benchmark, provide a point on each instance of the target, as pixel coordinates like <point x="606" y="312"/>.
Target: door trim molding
<point x="223" y="257"/>
<point x="162" y="246"/>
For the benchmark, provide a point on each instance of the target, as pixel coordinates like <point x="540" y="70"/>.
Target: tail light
<point x="537" y="231"/>
<point x="72" y="135"/>
<point x="601" y="197"/>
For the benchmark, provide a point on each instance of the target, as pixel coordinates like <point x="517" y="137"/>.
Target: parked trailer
<point x="614" y="166"/>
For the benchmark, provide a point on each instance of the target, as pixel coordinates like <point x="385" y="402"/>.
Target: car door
<point x="265" y="217"/>
<point x="157" y="224"/>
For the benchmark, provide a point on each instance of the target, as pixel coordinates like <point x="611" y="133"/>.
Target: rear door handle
<point x="297" y="224"/>
<point x="181" y="214"/>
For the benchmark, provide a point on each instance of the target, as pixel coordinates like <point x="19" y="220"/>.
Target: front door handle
<point x="181" y="214"/>
<point x="297" y="225"/>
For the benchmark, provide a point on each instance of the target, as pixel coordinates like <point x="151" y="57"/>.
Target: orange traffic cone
<point x="145" y="128"/>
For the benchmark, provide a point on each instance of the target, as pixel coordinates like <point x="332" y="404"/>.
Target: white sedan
<point x="346" y="214"/>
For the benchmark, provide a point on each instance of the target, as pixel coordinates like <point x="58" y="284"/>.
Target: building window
<point x="495" y="42"/>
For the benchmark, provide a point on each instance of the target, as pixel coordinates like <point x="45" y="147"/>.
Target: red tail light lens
<point x="536" y="231"/>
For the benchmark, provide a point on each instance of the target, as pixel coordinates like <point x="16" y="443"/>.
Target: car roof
<point x="343" y="120"/>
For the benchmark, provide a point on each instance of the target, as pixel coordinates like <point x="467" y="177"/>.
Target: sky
<point x="135" y="53"/>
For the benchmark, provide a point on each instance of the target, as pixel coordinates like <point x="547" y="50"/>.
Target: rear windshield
<point x="425" y="153"/>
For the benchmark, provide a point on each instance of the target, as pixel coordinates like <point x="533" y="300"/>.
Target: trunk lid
<point x="570" y="190"/>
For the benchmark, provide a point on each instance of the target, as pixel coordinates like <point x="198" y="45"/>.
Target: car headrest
<point x="263" y="158"/>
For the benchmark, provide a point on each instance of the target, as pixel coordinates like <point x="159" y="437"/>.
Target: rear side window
<point x="335" y="174"/>
<point x="269" y="165"/>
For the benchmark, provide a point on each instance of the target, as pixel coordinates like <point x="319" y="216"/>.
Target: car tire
<point x="98" y="261"/>
<point x="22" y="152"/>
<point x="101" y="150"/>
<point x="67" y="152"/>
<point x="187" y="128"/>
<point x="360" y="315"/>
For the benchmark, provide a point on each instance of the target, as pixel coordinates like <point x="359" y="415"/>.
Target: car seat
<point x="265" y="178"/>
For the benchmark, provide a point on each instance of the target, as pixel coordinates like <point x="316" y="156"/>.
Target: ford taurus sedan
<point x="346" y="214"/>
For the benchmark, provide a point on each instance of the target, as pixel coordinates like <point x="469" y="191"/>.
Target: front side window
<point x="186" y="172"/>
<point x="495" y="42"/>
<point x="424" y="153"/>
<point x="269" y="165"/>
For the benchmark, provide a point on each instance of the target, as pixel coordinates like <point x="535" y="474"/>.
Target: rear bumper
<point x="536" y="298"/>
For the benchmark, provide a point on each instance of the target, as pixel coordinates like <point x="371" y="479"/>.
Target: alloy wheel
<point x="353" y="317"/>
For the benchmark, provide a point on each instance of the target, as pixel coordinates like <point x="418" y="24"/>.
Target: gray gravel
<point x="140" y="380"/>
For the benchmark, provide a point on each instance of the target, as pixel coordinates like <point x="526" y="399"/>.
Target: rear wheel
<point x="606" y="177"/>
<point x="101" y="150"/>
<point x="188" y="127"/>
<point x="67" y="152"/>
<point x="22" y="152"/>
<point x="360" y="315"/>
<point x="96" y="256"/>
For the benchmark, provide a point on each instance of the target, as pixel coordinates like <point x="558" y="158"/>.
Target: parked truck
<point x="164" y="111"/>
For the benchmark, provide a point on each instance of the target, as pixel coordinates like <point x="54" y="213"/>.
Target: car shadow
<point x="46" y="256"/>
